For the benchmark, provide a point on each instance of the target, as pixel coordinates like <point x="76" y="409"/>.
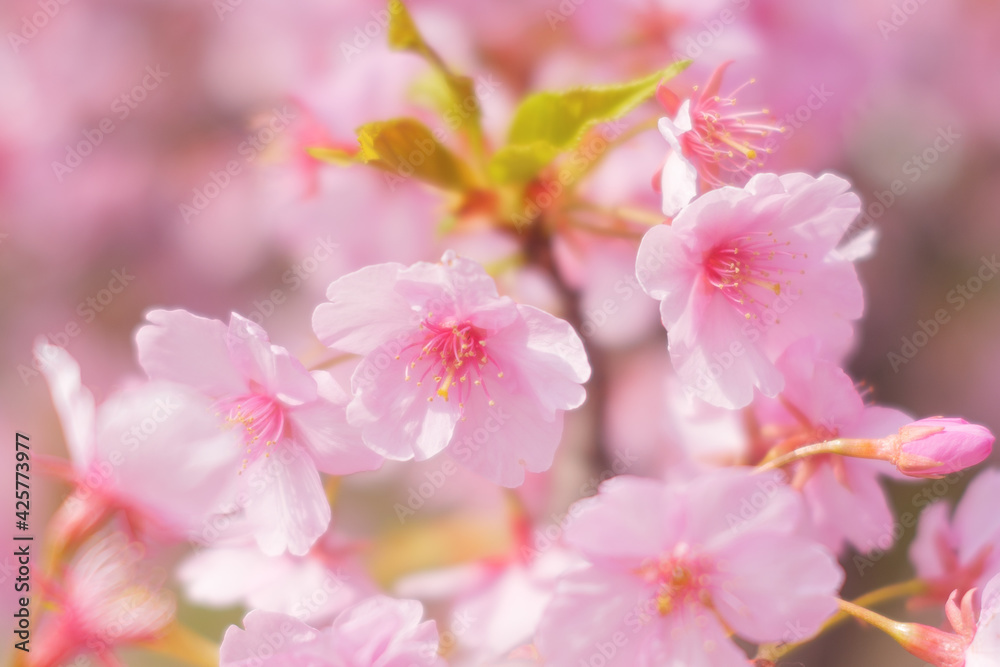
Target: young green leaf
<point x="405" y="36"/>
<point x="549" y="123"/>
<point x="406" y="147"/>
<point x="561" y="118"/>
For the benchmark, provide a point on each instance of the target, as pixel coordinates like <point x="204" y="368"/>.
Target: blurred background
<point x="152" y="153"/>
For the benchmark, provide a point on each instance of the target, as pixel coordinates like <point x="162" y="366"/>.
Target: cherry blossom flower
<point x="450" y="365"/>
<point x="710" y="144"/>
<point x="960" y="553"/>
<point x="108" y="598"/>
<point x="379" y="632"/>
<point x="290" y="422"/>
<point x="844" y="502"/>
<point x="153" y="453"/>
<point x="673" y="566"/>
<point x="743" y="273"/>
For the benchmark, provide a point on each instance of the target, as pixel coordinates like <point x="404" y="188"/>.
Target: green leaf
<point x="519" y="164"/>
<point x="561" y="118"/>
<point x="407" y="147"/>
<point x="405" y="36"/>
<point x="403" y="32"/>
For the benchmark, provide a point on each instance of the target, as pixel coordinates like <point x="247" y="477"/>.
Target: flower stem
<point x="864" y="449"/>
<point x="774" y="652"/>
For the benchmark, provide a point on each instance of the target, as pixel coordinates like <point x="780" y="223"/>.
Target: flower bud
<point x="938" y="446"/>
<point x="939" y="648"/>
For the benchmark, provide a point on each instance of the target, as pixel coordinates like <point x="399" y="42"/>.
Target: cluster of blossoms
<point x="233" y="444"/>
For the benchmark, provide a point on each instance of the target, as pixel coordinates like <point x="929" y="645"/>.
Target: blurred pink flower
<point x="153" y="452"/>
<point x="379" y="632"/>
<point x="962" y="553"/>
<point x="312" y="588"/>
<point x="494" y="605"/>
<point x="275" y="405"/>
<point x="743" y="273"/>
<point x="710" y="145"/>
<point x="448" y="364"/>
<point x="108" y="598"/>
<point x="674" y="566"/>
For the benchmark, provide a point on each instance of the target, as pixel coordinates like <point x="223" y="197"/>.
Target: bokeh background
<point x="118" y="119"/>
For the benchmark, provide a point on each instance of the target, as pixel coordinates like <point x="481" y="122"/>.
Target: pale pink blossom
<point x="742" y="273"/>
<point x="958" y="552"/>
<point x="711" y="144"/>
<point x="312" y="588"/>
<point x="290" y="422"/>
<point x="844" y="500"/>
<point x="378" y="632"/>
<point x="673" y="566"/>
<point x="108" y="598"/>
<point x="153" y="453"/>
<point x="494" y="605"/>
<point x="450" y="365"/>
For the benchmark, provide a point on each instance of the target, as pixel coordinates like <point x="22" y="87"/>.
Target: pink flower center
<point x="748" y="269"/>
<point x="722" y="140"/>
<point x="680" y="578"/>
<point x="261" y="419"/>
<point x="454" y="355"/>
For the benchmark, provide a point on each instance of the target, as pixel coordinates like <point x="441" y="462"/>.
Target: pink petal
<point x="277" y="372"/>
<point x="299" y="643"/>
<point x="591" y="609"/>
<point x="547" y="355"/>
<point x="985" y="648"/>
<point x="692" y="637"/>
<point x="708" y="364"/>
<point x="321" y="427"/>
<point x="857" y="512"/>
<point x="165" y="451"/>
<point x="389" y="633"/>
<point x="768" y="583"/>
<point x="725" y="504"/>
<point x="288" y="508"/>
<point x="934" y="532"/>
<point x="73" y="402"/>
<point x="665" y="272"/>
<point x="364" y="310"/>
<point x="977" y="521"/>
<point x="395" y="418"/>
<point x="191" y="350"/>
<point x="503" y="441"/>
<point x="630" y="520"/>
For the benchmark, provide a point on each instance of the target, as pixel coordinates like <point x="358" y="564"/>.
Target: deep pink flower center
<point x="723" y="140"/>
<point x="453" y="354"/>
<point x="678" y="579"/>
<point x="752" y="270"/>
<point x="261" y="420"/>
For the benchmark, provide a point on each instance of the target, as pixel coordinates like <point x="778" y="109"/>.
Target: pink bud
<point x="938" y="446"/>
<point x="939" y="648"/>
